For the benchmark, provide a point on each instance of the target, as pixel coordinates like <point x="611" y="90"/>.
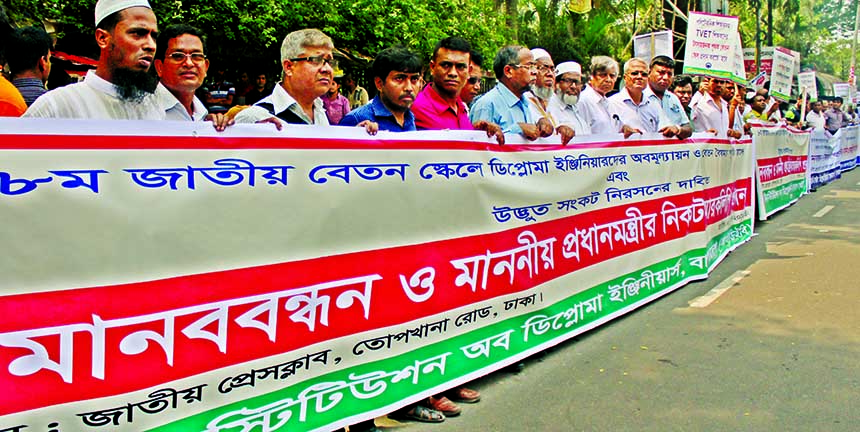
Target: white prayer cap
<point x="566" y="67"/>
<point x="539" y="53"/>
<point x="106" y="7"/>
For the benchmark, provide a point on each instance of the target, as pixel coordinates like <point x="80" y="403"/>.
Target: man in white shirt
<point x="593" y="102"/>
<point x="121" y="87"/>
<point x="181" y="65"/>
<point x="815" y="118"/>
<point x="563" y="105"/>
<point x="306" y="56"/>
<point x="711" y="114"/>
<point x="633" y="106"/>
<point x="541" y="93"/>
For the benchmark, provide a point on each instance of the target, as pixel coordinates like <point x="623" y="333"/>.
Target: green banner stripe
<point x="386" y="384"/>
<point x="780" y="197"/>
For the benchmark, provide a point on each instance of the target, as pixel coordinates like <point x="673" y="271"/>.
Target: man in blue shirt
<point x="396" y="72"/>
<point x="505" y="104"/>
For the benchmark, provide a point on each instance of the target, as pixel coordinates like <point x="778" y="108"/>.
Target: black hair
<point x="174" y="31"/>
<point x="664" y="61"/>
<point x="397" y="59"/>
<point x="838" y="99"/>
<point x="477" y="58"/>
<point x="680" y="81"/>
<point x="109" y="22"/>
<point x="26" y="47"/>
<point x="452" y="43"/>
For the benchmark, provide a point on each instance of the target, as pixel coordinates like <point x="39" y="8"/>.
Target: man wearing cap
<point x="506" y="105"/>
<point x="121" y="87"/>
<point x="660" y="77"/>
<point x="542" y="91"/>
<point x="438" y="105"/>
<point x="562" y="106"/>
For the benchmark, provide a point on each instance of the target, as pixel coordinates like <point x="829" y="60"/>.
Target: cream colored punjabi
<point x="95" y="98"/>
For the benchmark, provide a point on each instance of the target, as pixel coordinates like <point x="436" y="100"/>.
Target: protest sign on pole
<point x="806" y="81"/>
<point x="738" y="74"/>
<point x="710" y="45"/>
<point x="648" y="46"/>
<point x="783" y="74"/>
<point x="843" y="90"/>
<point x="766" y="60"/>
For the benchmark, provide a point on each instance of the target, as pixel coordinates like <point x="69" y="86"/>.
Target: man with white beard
<point x="562" y="106"/>
<point x="541" y="93"/>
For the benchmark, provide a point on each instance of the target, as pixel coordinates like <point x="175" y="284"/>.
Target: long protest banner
<point x="163" y="277"/>
<point x="848" y="148"/>
<point x="782" y="156"/>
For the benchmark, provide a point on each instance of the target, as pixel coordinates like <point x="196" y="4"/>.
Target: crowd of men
<point x="144" y="74"/>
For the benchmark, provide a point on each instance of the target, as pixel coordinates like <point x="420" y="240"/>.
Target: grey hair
<point x="509" y="55"/>
<point x="296" y="42"/>
<point x="602" y="64"/>
<point x="633" y="60"/>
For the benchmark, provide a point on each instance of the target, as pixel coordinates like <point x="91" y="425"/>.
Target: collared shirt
<point x="11" y="102"/>
<point x="433" y="112"/>
<point x="335" y="109"/>
<point x="694" y="100"/>
<point x="815" y="119"/>
<point x="672" y="107"/>
<point x="777" y="115"/>
<point x="568" y="115"/>
<point x="502" y="107"/>
<point x="95" y="98"/>
<point x="538" y="110"/>
<point x="174" y="110"/>
<point x="648" y="116"/>
<point x="376" y="111"/>
<point x="752" y="116"/>
<point x="706" y="115"/>
<point x="357" y="97"/>
<point x="834" y="119"/>
<point x="596" y="111"/>
<point x="282" y="101"/>
<point x="30" y="88"/>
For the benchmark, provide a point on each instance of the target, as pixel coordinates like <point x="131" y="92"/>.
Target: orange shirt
<point x="11" y="102"/>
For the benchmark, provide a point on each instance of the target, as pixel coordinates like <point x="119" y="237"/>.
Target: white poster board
<point x="710" y="45"/>
<point x="783" y="74"/>
<point x="806" y="80"/>
<point x="648" y="46"/>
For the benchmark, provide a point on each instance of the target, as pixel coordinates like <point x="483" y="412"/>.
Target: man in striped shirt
<point x="29" y="57"/>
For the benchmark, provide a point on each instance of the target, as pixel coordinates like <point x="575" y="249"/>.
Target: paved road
<point x="778" y="351"/>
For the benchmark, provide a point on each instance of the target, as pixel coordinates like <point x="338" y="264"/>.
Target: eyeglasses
<point x="545" y="68"/>
<point x="569" y="81"/>
<point x="448" y="65"/>
<point x="604" y="75"/>
<point x="531" y="66"/>
<point x="317" y="60"/>
<point x="638" y="73"/>
<point x="473" y="80"/>
<point x="181" y="57"/>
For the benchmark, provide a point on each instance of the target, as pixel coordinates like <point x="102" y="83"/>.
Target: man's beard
<point x="567" y="99"/>
<point x="134" y="85"/>
<point x="544" y="93"/>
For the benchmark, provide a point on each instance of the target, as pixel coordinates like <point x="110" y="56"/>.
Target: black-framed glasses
<point x="569" y="81"/>
<point x="317" y="60"/>
<point x="473" y="80"/>
<point x="180" y="57"/>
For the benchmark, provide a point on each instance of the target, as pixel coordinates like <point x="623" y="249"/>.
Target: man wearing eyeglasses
<point x="660" y="77"/>
<point x="563" y="106"/>
<point x="506" y="105"/>
<point x="122" y="86"/>
<point x="181" y="65"/>
<point x="541" y="93"/>
<point x="634" y="108"/>
<point x="306" y="56"/>
<point x="438" y="105"/>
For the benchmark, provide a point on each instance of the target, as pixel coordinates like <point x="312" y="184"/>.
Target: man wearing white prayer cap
<point x="541" y="93"/>
<point x="568" y="84"/>
<point x="121" y="87"/>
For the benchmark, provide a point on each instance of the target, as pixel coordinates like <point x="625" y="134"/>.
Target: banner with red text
<point x="163" y="277"/>
<point x="782" y="156"/>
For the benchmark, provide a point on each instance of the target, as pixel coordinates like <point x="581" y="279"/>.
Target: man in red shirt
<point x="439" y="105"/>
